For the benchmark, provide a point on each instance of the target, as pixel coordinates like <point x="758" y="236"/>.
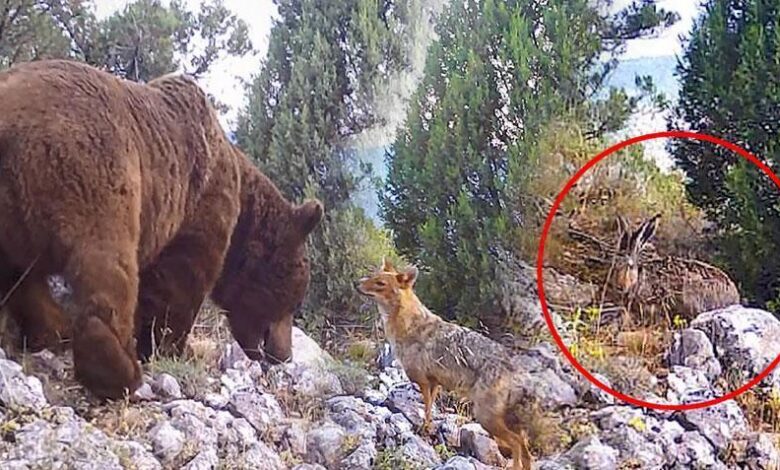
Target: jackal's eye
<point x="380" y="283"/>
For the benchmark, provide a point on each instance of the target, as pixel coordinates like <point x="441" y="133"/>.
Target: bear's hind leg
<point x="42" y="321"/>
<point x="105" y="288"/>
<point x="26" y="295"/>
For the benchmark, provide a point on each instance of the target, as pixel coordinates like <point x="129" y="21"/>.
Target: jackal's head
<point x="387" y="285"/>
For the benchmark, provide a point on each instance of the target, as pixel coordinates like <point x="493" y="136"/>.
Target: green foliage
<point x="315" y="92"/>
<point x="393" y="458"/>
<point x="29" y="32"/>
<point x="313" y="95"/>
<point x="730" y="77"/>
<point x="346" y="245"/>
<point x="626" y="183"/>
<point x="143" y="41"/>
<point x="499" y="73"/>
<point x="353" y="376"/>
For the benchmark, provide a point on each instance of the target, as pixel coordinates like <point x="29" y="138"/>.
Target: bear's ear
<point x="307" y="216"/>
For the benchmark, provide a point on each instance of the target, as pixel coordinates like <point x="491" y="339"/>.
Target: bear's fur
<point x="133" y="194"/>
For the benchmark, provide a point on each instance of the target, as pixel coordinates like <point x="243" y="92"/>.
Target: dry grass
<point x="287" y="457"/>
<point x="762" y="409"/>
<point x="201" y="355"/>
<point x="630" y="357"/>
<point x="192" y="375"/>
<point x="123" y="419"/>
<point x="574" y="429"/>
<point x="349" y="444"/>
<point x="450" y="402"/>
<point x="300" y="406"/>
<point x="362" y="350"/>
<point x="445" y="453"/>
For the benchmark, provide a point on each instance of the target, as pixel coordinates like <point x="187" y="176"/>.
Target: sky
<point x="225" y="80"/>
<point x="646" y="56"/>
<point x="226" y="77"/>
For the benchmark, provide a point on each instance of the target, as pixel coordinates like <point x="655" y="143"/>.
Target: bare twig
<point x="18" y="282"/>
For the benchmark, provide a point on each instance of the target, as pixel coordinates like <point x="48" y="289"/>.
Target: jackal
<point x="435" y="353"/>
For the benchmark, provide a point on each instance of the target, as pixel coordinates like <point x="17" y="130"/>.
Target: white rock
<point x="591" y="454"/>
<point x="477" y="442"/>
<point x="462" y="463"/>
<point x="692" y="348"/>
<point x="144" y="393"/>
<point x="261" y="410"/>
<point x="134" y="452"/>
<point x="306" y="351"/>
<point x="261" y="457"/>
<point x="167" y="441"/>
<point x="19" y="390"/>
<point x="69" y="443"/>
<point x="206" y="459"/>
<point x="166" y="386"/>
<point x="325" y="444"/>
<point x="360" y="458"/>
<point x="746" y="341"/>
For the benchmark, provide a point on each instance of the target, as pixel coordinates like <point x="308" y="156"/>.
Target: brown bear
<point x="133" y="194"/>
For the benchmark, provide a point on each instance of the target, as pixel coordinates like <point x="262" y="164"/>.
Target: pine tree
<point x="500" y="71"/>
<point x="731" y="89"/>
<point x="143" y="41"/>
<point x="314" y="93"/>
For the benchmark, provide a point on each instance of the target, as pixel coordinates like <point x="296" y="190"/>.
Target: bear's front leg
<point x="174" y="286"/>
<point x="173" y="289"/>
<point x="105" y="286"/>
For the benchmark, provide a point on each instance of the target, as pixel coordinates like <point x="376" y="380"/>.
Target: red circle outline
<point x="540" y="264"/>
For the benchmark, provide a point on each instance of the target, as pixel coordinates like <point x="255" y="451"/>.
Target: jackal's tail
<point x="530" y="417"/>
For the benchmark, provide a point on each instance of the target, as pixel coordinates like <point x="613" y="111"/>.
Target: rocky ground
<point x="318" y="413"/>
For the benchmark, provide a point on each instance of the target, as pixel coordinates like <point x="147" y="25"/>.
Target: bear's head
<point x="266" y="273"/>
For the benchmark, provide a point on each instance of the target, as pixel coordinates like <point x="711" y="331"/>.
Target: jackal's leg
<point x="428" y="397"/>
<point x="504" y="448"/>
<point x="518" y="444"/>
<point x="525" y="453"/>
<point x="435" y="388"/>
<point x="507" y="440"/>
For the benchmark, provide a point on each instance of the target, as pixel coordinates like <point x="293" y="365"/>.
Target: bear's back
<point x="161" y="141"/>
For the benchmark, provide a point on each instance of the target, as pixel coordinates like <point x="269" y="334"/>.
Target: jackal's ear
<point x="407" y="277"/>
<point x="387" y="266"/>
